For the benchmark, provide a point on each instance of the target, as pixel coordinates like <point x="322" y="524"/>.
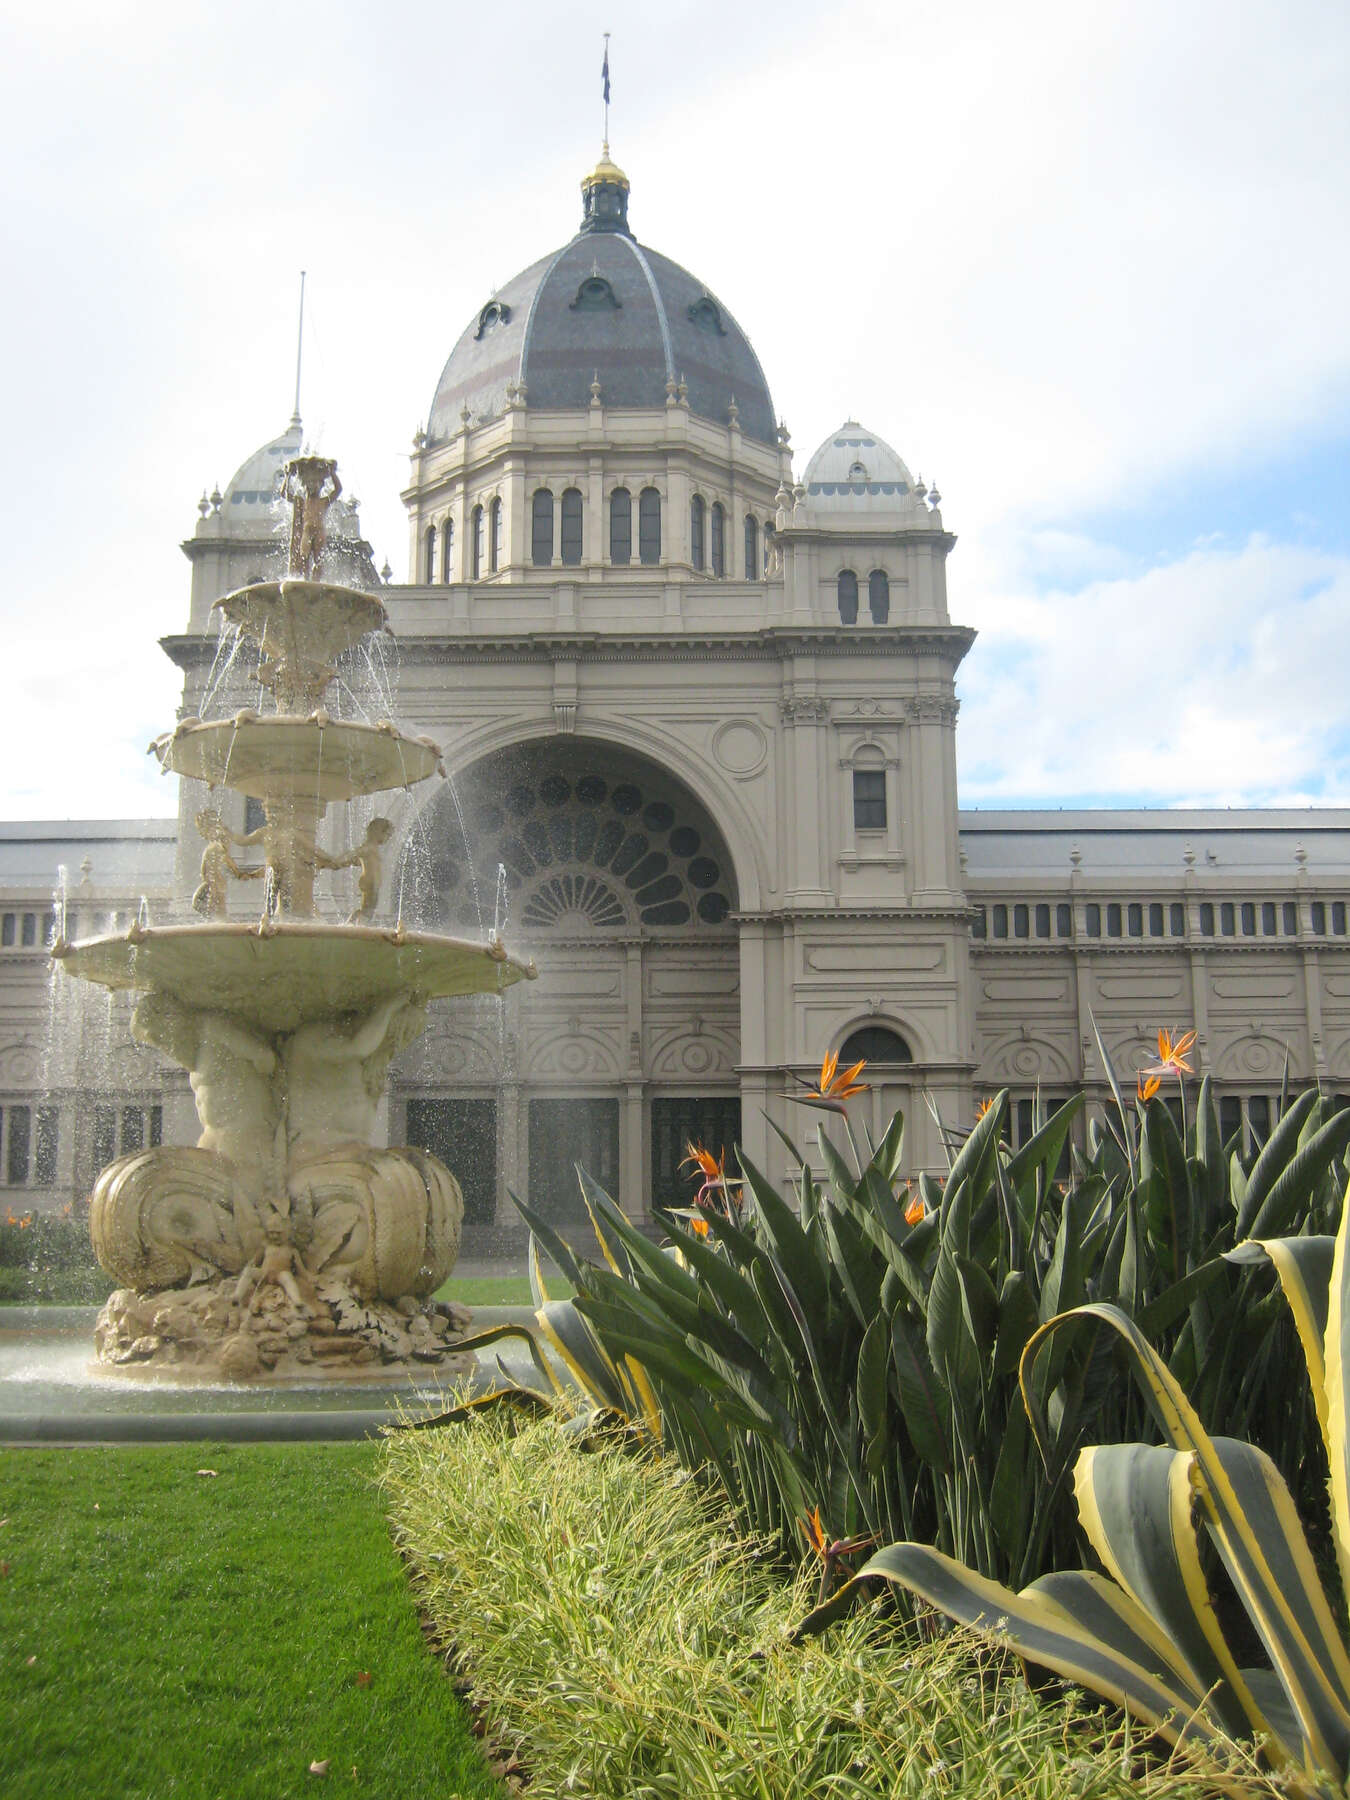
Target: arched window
<point x="448" y="550"/>
<point x="875" y="1043"/>
<point x="718" y="539"/>
<point x="696" y="552"/>
<point x="477" y="542"/>
<point x="541" y="529"/>
<point x="571" y="527"/>
<point x="752" y="569"/>
<point x="621" y="526"/>
<point x="649" y="527"/>
<point x="496" y="537"/>
<point x="879" y="596"/>
<point x="848" y="596"/>
<point x="429" y="555"/>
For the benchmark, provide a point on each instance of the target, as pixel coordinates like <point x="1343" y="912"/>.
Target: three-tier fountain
<point x="284" y="1246"/>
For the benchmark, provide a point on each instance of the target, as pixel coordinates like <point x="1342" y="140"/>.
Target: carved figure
<point x="311" y="485"/>
<point x="335" y="1070"/>
<point x="217" y="865"/>
<point x="233" y="1072"/>
<point x="292" y="856"/>
<point x="367" y="857"/>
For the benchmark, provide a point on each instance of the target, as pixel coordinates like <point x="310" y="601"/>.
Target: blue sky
<point x="1085" y="266"/>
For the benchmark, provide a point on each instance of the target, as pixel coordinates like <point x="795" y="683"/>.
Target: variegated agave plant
<point x="1146" y="1634"/>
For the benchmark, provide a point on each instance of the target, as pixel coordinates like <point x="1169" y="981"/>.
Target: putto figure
<point x="311" y="484"/>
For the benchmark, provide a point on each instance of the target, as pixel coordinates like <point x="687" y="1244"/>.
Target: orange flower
<point x="1172" y="1053"/>
<point x="1145" y="1090"/>
<point x="835" y="1085"/>
<point x="815" y="1531"/>
<point x="699" y="1227"/>
<point x="983" y="1108"/>
<point x="915" y="1211"/>
<point x="713" y="1169"/>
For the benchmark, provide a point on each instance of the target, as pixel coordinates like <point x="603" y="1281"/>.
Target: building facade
<point x="700" y="720"/>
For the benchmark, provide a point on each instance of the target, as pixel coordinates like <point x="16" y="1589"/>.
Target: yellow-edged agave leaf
<point x="1337" y="1371"/>
<point x="1260" y="1539"/>
<point x="1135" y="1504"/>
<point x="1304" y="1268"/>
<point x="1082" y="1626"/>
<point x="575" y="1344"/>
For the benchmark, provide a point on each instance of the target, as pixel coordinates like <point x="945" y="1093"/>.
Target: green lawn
<point x="488" y="1290"/>
<point x="170" y="1635"/>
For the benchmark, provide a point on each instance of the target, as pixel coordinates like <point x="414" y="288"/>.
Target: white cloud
<point x="1219" y="676"/>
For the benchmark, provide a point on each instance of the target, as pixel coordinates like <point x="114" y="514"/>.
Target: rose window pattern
<point x="581" y="848"/>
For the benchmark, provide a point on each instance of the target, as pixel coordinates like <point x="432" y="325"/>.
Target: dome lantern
<point x="604" y="197"/>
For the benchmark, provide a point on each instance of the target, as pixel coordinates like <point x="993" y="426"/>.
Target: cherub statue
<point x="368" y="858"/>
<point x="217" y="865"/>
<point x="311" y="485"/>
<point x="292" y="856"/>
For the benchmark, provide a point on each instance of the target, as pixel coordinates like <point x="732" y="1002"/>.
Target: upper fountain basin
<point x="294" y="620"/>
<point x="277" y="976"/>
<point x="279" y="754"/>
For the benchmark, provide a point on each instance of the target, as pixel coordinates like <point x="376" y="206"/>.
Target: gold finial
<point x="606" y="170"/>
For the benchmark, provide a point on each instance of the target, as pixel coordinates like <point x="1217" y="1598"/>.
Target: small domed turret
<point x="604" y="197"/>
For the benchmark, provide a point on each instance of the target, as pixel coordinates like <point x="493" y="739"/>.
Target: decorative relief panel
<point x="1253" y="987"/>
<point x="675" y="983"/>
<point x="573" y="1053"/>
<point x="1144" y="986"/>
<point x="932" y="709"/>
<point x="20" y="1065"/>
<point x="1255" y="1055"/>
<point x="1017" y="1060"/>
<point x="875" y="958"/>
<point x="684" y="1055"/>
<point x="1048" y="990"/>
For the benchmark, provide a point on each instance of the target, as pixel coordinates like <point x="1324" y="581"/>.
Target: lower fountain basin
<point x="278" y="976"/>
<point x="51" y="1392"/>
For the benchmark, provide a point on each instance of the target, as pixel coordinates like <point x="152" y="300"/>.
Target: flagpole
<point x="606" y="81"/>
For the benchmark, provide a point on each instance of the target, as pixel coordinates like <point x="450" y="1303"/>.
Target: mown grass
<point x="625" y="1645"/>
<point x="169" y="1635"/>
<point x="487" y="1290"/>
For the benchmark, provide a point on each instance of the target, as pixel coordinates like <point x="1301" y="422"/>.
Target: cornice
<point x="772" y="643"/>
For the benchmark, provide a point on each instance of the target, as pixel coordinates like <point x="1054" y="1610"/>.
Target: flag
<point x="604" y="74"/>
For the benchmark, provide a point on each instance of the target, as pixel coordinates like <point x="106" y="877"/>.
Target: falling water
<point x="269" y="899"/>
<point x="501" y="905"/>
<point x="143" y="914"/>
<point x="468" y="854"/>
<point x="59" y="902"/>
<point x="220" y="666"/>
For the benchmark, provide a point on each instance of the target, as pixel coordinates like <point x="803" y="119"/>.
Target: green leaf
<point x="1293" y="1188"/>
<point x="923" y="1400"/>
<point x="1274" y="1158"/>
<point x="1017" y="1319"/>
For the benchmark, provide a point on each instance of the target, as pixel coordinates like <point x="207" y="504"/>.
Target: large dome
<point x="606" y="309"/>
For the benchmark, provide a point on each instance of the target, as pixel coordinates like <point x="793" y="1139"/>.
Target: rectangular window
<point x="1063" y="919"/>
<point x="1155" y="919"/>
<point x="105" y="1136"/>
<point x="713" y="1121"/>
<point x="1249" y="918"/>
<point x="1230" y="1119"/>
<point x="1113" y="919"/>
<point x="1135" y="916"/>
<point x="29" y="930"/>
<point x="1258" y="1118"/>
<point x="1026" y="1122"/>
<point x="463" y="1134"/>
<point x="620" y="526"/>
<point x="44" y="1148"/>
<point x="20" y="1123"/>
<point x="1338" y="918"/>
<point x="1289" y="913"/>
<point x="255" y="814"/>
<point x="564" y="1133"/>
<point x="978" y="927"/>
<point x="156" y="1127"/>
<point x="1207" y="919"/>
<point x="1021" y="922"/>
<point x="1043" y="921"/>
<point x="1268" y="926"/>
<point x="1000" y="921"/>
<point x="1176" y="919"/>
<point x="7" y="930"/>
<point x="1227" y="918"/>
<point x="133" y="1130"/>
<point x="1319" y="918"/>
<point x="1092" y="919"/>
<point x="869" y="799"/>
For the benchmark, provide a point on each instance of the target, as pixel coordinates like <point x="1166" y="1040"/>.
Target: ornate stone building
<point x="701" y="714"/>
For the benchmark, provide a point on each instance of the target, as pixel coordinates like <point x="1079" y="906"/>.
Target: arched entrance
<point x="613" y="875"/>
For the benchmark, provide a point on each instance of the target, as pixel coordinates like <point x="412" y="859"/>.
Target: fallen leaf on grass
<point x="320" y="1768"/>
<point x="96" y="1506"/>
<point x="29" y="1663"/>
<point x="4" y="1521"/>
<point x="363" y="1678"/>
<point x="208" y="1471"/>
<point x="4" y="1570"/>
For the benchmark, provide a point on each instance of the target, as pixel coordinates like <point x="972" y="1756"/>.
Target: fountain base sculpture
<point x="284" y="1245"/>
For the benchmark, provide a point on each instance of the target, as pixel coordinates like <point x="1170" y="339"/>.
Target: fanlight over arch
<point x="590" y="839"/>
<point x="875" y="1044"/>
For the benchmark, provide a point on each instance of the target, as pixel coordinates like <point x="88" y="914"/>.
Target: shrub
<point x="47" y="1258"/>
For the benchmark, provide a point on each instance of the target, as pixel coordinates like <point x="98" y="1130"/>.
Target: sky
<point x="1086" y="267"/>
